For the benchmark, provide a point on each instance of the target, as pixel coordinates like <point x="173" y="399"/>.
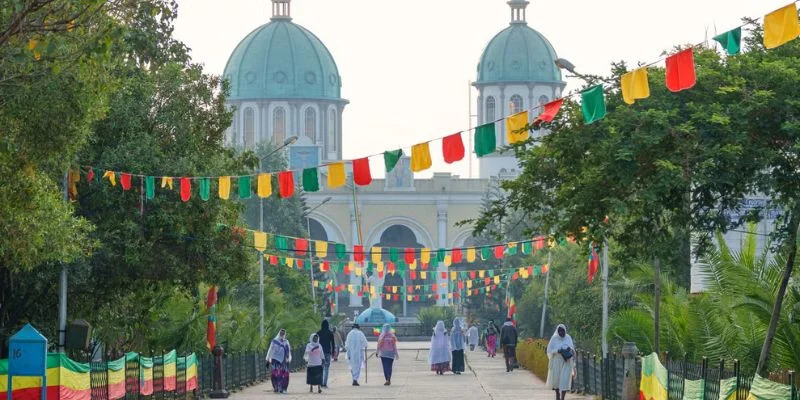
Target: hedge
<point x="532" y="356"/>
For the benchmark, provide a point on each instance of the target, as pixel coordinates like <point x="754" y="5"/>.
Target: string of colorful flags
<point x="779" y="26"/>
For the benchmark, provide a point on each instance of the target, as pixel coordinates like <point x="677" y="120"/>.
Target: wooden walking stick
<point x="366" y="367"/>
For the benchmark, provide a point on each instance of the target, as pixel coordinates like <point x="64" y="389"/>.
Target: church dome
<point x="282" y="60"/>
<point x="518" y="54"/>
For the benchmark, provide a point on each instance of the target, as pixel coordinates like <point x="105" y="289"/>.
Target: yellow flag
<point x="394" y="289"/>
<point x="482" y="273"/>
<point x="497" y="279"/>
<point x="388" y="296"/>
<point x="448" y="260"/>
<point x="420" y="157"/>
<point x="321" y="248"/>
<point x="515" y="127"/>
<point x="413" y="265"/>
<point x="290" y="262"/>
<point x="470" y="254"/>
<point x="425" y="255"/>
<point x="166" y="181"/>
<point x="112" y="177"/>
<point x="453" y="275"/>
<point x="781" y="26"/>
<point x="336" y="175"/>
<point x="372" y="290"/>
<point x="264" y="185"/>
<point x="358" y="271"/>
<point x="423" y="275"/>
<point x="409" y="297"/>
<point x="449" y="295"/>
<point x="635" y="85"/>
<point x="376" y="254"/>
<point x="224" y="187"/>
<point x="260" y="240"/>
<point x="469" y="284"/>
<point x="350" y="288"/>
<point x="379" y="266"/>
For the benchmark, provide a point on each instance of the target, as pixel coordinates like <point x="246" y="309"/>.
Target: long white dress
<point x="559" y="371"/>
<point x="355" y="344"/>
<point x="472" y="334"/>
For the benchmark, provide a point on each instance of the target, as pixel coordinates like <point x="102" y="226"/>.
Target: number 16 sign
<point x="27" y="351"/>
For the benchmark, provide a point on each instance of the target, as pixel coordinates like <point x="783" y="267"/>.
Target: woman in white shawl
<point x="439" y="355"/>
<point x="314" y="356"/>
<point x="279" y="356"/>
<point x="457" y="343"/>
<point x="561" y="352"/>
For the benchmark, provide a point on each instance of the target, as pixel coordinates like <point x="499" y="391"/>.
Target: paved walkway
<point x="485" y="378"/>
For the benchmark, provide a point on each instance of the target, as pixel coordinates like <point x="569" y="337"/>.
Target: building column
<point x="480" y="110"/>
<point x="503" y="113"/>
<point x="441" y="229"/>
<point x="355" y="299"/>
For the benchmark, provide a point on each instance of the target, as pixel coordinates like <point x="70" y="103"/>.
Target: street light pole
<point x="310" y="265"/>
<point x="62" y="298"/>
<point x="287" y="142"/>
<point x="546" y="289"/>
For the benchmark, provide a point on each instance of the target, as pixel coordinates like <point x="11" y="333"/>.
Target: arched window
<point x="490" y="110"/>
<point x="543" y="100"/>
<point x="278" y="126"/>
<point x="332" y="130"/>
<point x="311" y="124"/>
<point x="249" y="128"/>
<point x="516" y="104"/>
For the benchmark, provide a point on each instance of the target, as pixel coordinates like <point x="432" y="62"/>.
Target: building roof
<point x="280" y="60"/>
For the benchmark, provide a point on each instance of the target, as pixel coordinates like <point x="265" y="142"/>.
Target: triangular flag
<point x="186" y="189"/>
<point x="680" y="73"/>
<point x="390" y="158"/>
<point x="286" y="184"/>
<point x="593" y="104"/>
<point x="264" y="185"/>
<point x="781" y="26"/>
<point x="420" y="157"/>
<point x="244" y="187"/>
<point x="205" y="188"/>
<point x="516" y="125"/>
<point x="336" y="175"/>
<point x="731" y="41"/>
<point x="453" y="148"/>
<point x="635" y="85"/>
<point x="310" y="180"/>
<point x="485" y="139"/>
<point x="361" y="173"/>
<point x="224" y="187"/>
<point x="125" y="181"/>
<point x="550" y="111"/>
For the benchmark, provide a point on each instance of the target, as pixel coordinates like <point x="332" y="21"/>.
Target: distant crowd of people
<point x="447" y="353"/>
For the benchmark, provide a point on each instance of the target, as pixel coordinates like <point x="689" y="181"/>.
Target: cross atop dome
<point x="518" y="11"/>
<point x="281" y="9"/>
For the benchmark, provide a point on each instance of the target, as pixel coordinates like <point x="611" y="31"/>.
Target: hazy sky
<point x="406" y="65"/>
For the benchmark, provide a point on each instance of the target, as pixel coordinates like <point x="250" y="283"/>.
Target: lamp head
<point x="565" y="64"/>
<point x="290" y="140"/>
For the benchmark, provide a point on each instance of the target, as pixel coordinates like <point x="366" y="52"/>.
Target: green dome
<point x="518" y="54"/>
<point x="282" y="60"/>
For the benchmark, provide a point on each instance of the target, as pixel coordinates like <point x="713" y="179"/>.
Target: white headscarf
<point x="440" y="346"/>
<point x="311" y="346"/>
<point x="280" y="349"/>
<point x="457" y="338"/>
<point x="557" y="342"/>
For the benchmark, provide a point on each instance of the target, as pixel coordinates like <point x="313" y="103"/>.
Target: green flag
<point x="526" y="247"/>
<point x="341" y="250"/>
<point x="390" y="158"/>
<point x="485" y="140"/>
<point x="491" y="273"/>
<point x="244" y="187"/>
<point x="310" y="180"/>
<point x="150" y="187"/>
<point x="486" y="252"/>
<point x="393" y="254"/>
<point x="512" y="250"/>
<point x="281" y="243"/>
<point x="593" y="104"/>
<point x="205" y="188"/>
<point x="731" y="41"/>
<point x="401" y="266"/>
<point x="441" y="254"/>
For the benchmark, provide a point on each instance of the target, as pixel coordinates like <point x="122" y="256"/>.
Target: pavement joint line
<point x="475" y="374"/>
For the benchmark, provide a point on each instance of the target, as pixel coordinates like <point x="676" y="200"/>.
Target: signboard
<point x="27" y="356"/>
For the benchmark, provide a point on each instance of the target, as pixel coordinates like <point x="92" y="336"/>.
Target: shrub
<point x="532" y="356"/>
<point x="429" y="316"/>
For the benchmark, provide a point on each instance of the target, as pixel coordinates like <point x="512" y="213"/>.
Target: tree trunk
<point x="763" y="360"/>
<point x="657" y="305"/>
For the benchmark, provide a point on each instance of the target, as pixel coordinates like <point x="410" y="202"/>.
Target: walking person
<point x="561" y="352"/>
<point x="439" y="355"/>
<point x="328" y="344"/>
<point x="356" y="346"/>
<point x="508" y="339"/>
<point x="338" y="341"/>
<point x="279" y="356"/>
<point x="387" y="351"/>
<point x="314" y="356"/>
<point x="457" y="343"/>
<point x="472" y="337"/>
<point x="491" y="338"/>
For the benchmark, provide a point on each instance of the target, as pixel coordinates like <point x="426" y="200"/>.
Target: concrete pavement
<point x="485" y="378"/>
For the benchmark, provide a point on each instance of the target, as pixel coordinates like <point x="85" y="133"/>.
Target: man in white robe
<point x="472" y="337"/>
<point x="356" y="345"/>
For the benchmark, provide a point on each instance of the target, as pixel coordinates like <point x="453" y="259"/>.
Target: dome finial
<point x="281" y="9"/>
<point x="518" y="11"/>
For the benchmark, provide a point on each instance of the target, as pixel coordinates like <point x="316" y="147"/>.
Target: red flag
<point x="300" y="246"/>
<point x="409" y="255"/>
<point x="390" y="266"/>
<point x="457" y="256"/>
<point x="125" y="181"/>
<point x="286" y="184"/>
<point x="413" y="274"/>
<point x="460" y="285"/>
<point x="453" y="148"/>
<point x="444" y="275"/>
<point x="325" y="266"/>
<point x="486" y="281"/>
<point x="594" y="262"/>
<point x="472" y="274"/>
<point x="436" y="296"/>
<point x="90" y="174"/>
<point x="498" y="251"/>
<point x="416" y="297"/>
<point x="410" y="289"/>
<point x="396" y="297"/>
<point x="456" y="295"/>
<point x="273" y="260"/>
<point x="186" y="189"/>
<point x="361" y="174"/>
<point x="550" y="111"/>
<point x="538" y="242"/>
<point x="680" y="71"/>
<point x="358" y="253"/>
<point x="515" y="276"/>
<point x="299" y="263"/>
<point x="211" y="329"/>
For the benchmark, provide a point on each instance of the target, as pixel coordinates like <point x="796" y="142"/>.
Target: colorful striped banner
<point x="654" y="379"/>
<point x="190" y="364"/>
<point x="66" y="380"/>
<point x="116" y="379"/>
<point x="170" y="369"/>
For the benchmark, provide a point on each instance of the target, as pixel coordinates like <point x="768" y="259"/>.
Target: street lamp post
<point x="286" y="142"/>
<point x="310" y="265"/>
